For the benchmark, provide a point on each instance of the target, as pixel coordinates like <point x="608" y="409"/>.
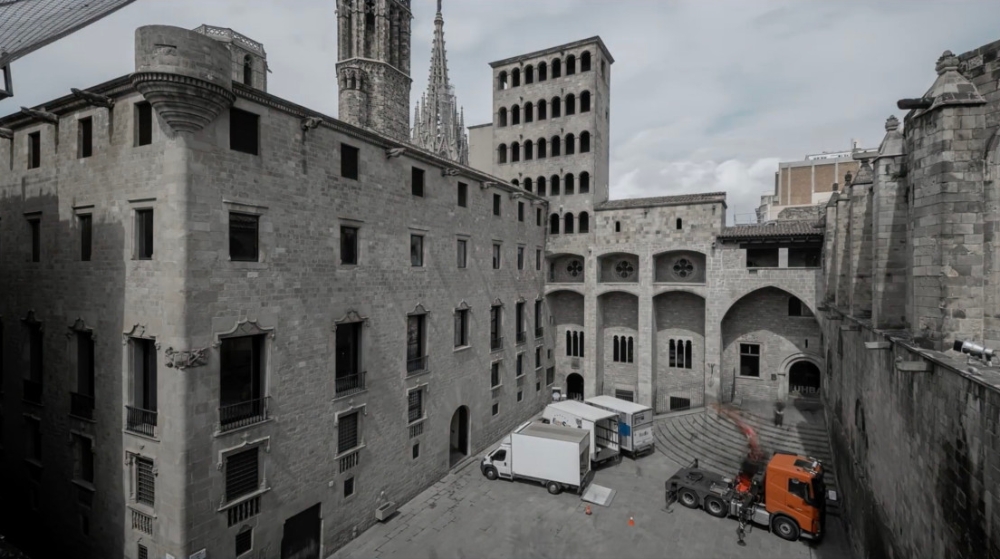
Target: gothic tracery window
<point x="683" y="268"/>
<point x="624" y="269"/>
<point x="575" y="268"/>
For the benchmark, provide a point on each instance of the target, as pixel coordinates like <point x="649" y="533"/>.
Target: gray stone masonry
<point x="861" y="242"/>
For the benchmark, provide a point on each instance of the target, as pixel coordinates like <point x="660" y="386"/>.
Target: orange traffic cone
<point x="631" y="521"/>
<point x="587" y="511"/>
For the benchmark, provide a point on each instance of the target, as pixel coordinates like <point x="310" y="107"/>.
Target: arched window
<point x="529" y="112"/>
<point x="623" y="349"/>
<point x="502" y="81"/>
<point x="541" y="186"/>
<point x="570" y="104"/>
<point x="617" y="354"/>
<point x="515" y="152"/>
<point x="515" y="182"/>
<point x="247" y="71"/>
<point x="529" y="74"/>
<point x="515" y="77"/>
<point x="502" y="116"/>
<point x="541" y="148"/>
<point x="602" y="69"/>
<point x="583" y="220"/>
<point x="568" y="184"/>
<point x="515" y="114"/>
<point x="584" y="142"/>
<point x="630" y="349"/>
<point x="576" y="344"/>
<point x="556" y="68"/>
<point x="555" y="146"/>
<point x="680" y="224"/>
<point x="568" y="223"/>
<point x="581" y="344"/>
<point x="556" y="106"/>
<point x="554" y="185"/>
<point x="527" y="184"/>
<point x="542" y="71"/>
<point x="541" y="110"/>
<point x="570" y="144"/>
<point x="585" y="102"/>
<point x="554" y="224"/>
<point x="584" y="183"/>
<point x="529" y="152"/>
<point x="618" y="227"/>
<point x="569" y="343"/>
<point x="502" y="153"/>
<point x="570" y="65"/>
<point x="585" y="61"/>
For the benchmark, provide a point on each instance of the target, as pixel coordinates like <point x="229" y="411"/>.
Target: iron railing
<point x="81" y="405"/>
<point x="350" y="384"/>
<point x="539" y="332"/>
<point x="416" y="430"/>
<point x="32" y="391"/>
<point x="521" y="336"/>
<point x="416" y="365"/>
<point x="140" y="421"/>
<point x="496" y="343"/>
<point x="234" y="416"/>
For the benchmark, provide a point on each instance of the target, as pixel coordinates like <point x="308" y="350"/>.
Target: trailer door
<point x="607" y="433"/>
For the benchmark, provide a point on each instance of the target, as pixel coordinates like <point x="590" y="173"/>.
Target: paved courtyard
<point x="465" y="515"/>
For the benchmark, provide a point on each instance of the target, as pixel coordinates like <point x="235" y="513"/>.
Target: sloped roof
<point x="773" y="229"/>
<point x="679" y="200"/>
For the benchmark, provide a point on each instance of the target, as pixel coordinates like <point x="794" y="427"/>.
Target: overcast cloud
<point x="706" y="95"/>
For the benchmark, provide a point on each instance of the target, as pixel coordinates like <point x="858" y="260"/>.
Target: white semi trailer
<point x="635" y="424"/>
<point x="555" y="456"/>
<point x="602" y="425"/>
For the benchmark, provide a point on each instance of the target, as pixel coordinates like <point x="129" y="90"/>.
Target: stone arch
<point x="618" y="267"/>
<point x="554" y="224"/>
<point x="570" y="65"/>
<point x="568" y="223"/>
<point x="502" y="117"/>
<point x="543" y="71"/>
<point x="556" y="68"/>
<point x="502" y="82"/>
<point x="555" y="107"/>
<point x="541" y="186"/>
<point x="566" y="267"/>
<point x="502" y="153"/>
<point x="459" y="436"/>
<point x="554" y="185"/>
<point x="584" y="142"/>
<point x="583" y="222"/>
<point x="570" y="146"/>
<point x="789" y="291"/>
<point x="554" y="145"/>
<point x="542" y="106"/>
<point x="540" y="148"/>
<point x="515" y="114"/>
<point x="515" y="152"/>
<point x="585" y="61"/>
<point x="570" y="104"/>
<point x="803" y="374"/>
<point x="569" y="186"/>
<point x="529" y="112"/>
<point x="529" y="74"/>
<point x="617" y="316"/>
<point x="515" y="77"/>
<point x="679" y="350"/>
<point x="585" y="102"/>
<point x="679" y="266"/>
<point x="529" y="150"/>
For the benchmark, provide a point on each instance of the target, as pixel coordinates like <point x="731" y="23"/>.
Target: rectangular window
<point x="348" y="245"/>
<point x="144" y="234"/>
<point x="34" y="150"/>
<point x="347" y="432"/>
<point x="520" y="258"/>
<point x="520" y="211"/>
<point x="145" y="481"/>
<point x="244" y="131"/>
<point x="496" y="328"/>
<point x="417" y="182"/>
<point x="241" y="381"/>
<point x="35" y="353"/>
<point x="142" y="411"/>
<point x="496" y="408"/>
<point x="349" y="161"/>
<point x="86" y="236"/>
<point x="82" y="402"/>
<point x="495" y="374"/>
<point x="538" y="259"/>
<point x="143" y="124"/>
<point x="33" y="438"/>
<point x="519" y="323"/>
<point x="242" y="474"/>
<point x="461" y="328"/>
<point x="244" y="541"/>
<point x="463" y="195"/>
<point x="520" y="364"/>
<point x="35" y="226"/>
<point x="750" y="360"/>
<point x="348" y="487"/>
<point x="677" y="403"/>
<point x="416" y="451"/>
<point x="496" y="204"/>
<point x="496" y="256"/>
<point x="83" y="467"/>
<point x="626" y="395"/>
<point x="243" y="237"/>
<point x="538" y="357"/>
<point x="85" y="137"/>
<point x="538" y="217"/>
<point x="416" y="251"/>
<point x="460" y="253"/>
<point x="415" y="358"/>
<point x="415" y="405"/>
<point x="520" y="395"/>
<point x="550" y="376"/>
<point x="143" y="551"/>
<point x="349" y="374"/>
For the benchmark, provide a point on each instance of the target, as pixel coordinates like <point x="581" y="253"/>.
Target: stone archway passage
<point x="804" y="379"/>
<point x="574" y="386"/>
<point x="459" y="446"/>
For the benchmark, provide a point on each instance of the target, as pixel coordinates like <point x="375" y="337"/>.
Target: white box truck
<point x="635" y="424"/>
<point x="602" y="424"/>
<point x="557" y="457"/>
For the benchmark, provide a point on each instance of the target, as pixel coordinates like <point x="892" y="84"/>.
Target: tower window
<point x="680" y="224"/>
<point x="247" y="71"/>
<point x="502" y="116"/>
<point x="585" y="102"/>
<point x="143" y="124"/>
<point x="570" y="65"/>
<point x="35" y="227"/>
<point x="618" y="227"/>
<point x="496" y="204"/>
<point x="243" y="244"/>
<point x="417" y="182"/>
<point x="520" y="211"/>
<point x="348" y="245"/>
<point x="144" y="234"/>
<point x="515" y="77"/>
<point x="463" y="195"/>
<point x="86" y="236"/>
<point x="542" y="71"/>
<point x="584" y="142"/>
<point x="85" y="137"/>
<point x="349" y="161"/>
<point x="244" y="132"/>
<point x="34" y="150"/>
<point x="585" y="61"/>
<point x="556" y="68"/>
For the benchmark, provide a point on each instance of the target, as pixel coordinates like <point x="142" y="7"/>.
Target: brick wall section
<point x="800" y="186"/>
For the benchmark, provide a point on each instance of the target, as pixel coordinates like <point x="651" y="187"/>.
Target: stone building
<point x="230" y="323"/>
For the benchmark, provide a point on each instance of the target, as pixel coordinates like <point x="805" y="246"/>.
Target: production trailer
<point x="602" y="424"/>
<point x="557" y="457"/>
<point x="635" y="424"/>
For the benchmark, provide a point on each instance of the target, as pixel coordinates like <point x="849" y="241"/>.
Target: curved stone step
<point x="816" y="448"/>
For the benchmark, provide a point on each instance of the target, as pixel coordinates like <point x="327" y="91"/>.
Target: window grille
<point x="242" y="474"/>
<point x="145" y="487"/>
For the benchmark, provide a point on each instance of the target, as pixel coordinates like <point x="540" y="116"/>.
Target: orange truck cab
<point x="793" y="487"/>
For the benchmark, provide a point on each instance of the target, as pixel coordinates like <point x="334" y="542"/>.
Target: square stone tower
<point x="249" y="58"/>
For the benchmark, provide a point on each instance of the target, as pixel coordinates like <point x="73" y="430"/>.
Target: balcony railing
<point x="142" y="522"/>
<point x="349" y="461"/>
<point x="32" y="391"/>
<point x="495" y="392"/>
<point x="81" y="405"/>
<point x="243" y="511"/>
<point x="416" y="430"/>
<point x="350" y="384"/>
<point x="140" y="421"/>
<point x="496" y="344"/>
<point x="416" y="365"/>
<point x="521" y="336"/>
<point x="234" y="416"/>
<point x="539" y="332"/>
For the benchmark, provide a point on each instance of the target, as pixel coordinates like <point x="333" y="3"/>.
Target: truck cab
<point x="793" y="487"/>
<point x="499" y="459"/>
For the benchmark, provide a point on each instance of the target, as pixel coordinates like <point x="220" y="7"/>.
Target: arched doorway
<point x="459" y="447"/>
<point x="574" y="386"/>
<point x="804" y="379"/>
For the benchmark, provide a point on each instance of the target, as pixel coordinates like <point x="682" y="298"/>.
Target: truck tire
<point x="553" y="487"/>
<point x="715" y="507"/>
<point x="688" y="498"/>
<point x="785" y="528"/>
<point x="490" y="472"/>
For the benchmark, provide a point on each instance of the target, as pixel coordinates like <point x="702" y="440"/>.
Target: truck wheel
<point x="715" y="507"/>
<point x="688" y="498"/>
<point x="786" y="528"/>
<point x="554" y="488"/>
<point x="490" y="473"/>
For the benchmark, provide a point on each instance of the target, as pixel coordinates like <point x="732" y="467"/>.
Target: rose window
<point x="574" y="268"/>
<point x="624" y="269"/>
<point x="683" y="268"/>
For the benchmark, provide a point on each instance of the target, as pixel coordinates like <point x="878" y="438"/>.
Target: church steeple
<point x="438" y="124"/>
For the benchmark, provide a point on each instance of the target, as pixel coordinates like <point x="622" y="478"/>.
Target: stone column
<point x="860" y="240"/>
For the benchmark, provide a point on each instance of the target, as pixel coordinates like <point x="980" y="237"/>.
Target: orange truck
<point x="785" y="493"/>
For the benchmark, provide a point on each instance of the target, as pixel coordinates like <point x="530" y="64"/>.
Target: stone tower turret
<point x="249" y="58"/>
<point x="373" y="65"/>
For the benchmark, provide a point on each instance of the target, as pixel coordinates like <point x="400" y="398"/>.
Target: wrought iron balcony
<point x="32" y="391"/>
<point x="140" y="421"/>
<point x="539" y="332"/>
<point x="416" y="365"/>
<point x="521" y="336"/>
<point x="81" y="405"/>
<point x="234" y="416"/>
<point x="350" y="384"/>
<point x="496" y="344"/>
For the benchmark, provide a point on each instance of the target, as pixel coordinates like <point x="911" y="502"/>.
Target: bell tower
<point x="373" y="65"/>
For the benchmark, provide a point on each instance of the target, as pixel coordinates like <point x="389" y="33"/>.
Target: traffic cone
<point x="587" y="511"/>
<point x="631" y="521"/>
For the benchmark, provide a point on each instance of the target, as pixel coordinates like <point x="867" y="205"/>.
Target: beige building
<point x="807" y="182"/>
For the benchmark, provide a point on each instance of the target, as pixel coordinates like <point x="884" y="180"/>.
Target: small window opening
<point x="244" y="131"/>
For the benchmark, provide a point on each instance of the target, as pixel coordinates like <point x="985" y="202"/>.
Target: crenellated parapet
<point x="185" y="75"/>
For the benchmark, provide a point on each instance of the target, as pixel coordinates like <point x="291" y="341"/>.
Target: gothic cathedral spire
<point x="438" y="123"/>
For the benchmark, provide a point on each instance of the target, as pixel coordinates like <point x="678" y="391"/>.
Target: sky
<point x="706" y="95"/>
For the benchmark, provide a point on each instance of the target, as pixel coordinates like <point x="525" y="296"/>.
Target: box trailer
<point x="635" y="424"/>
<point x="557" y="457"/>
<point x="602" y="424"/>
